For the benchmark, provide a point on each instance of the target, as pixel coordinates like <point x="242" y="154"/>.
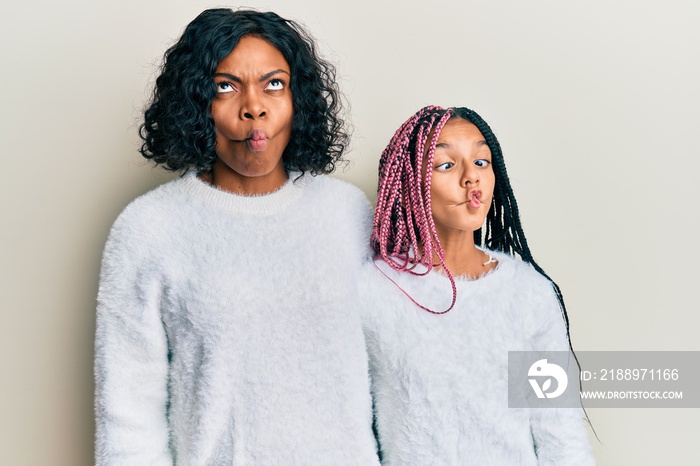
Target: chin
<point x="254" y="172"/>
<point x="255" y="168"/>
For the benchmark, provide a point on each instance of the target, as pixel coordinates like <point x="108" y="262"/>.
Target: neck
<point x="226" y="179"/>
<point x="462" y="257"/>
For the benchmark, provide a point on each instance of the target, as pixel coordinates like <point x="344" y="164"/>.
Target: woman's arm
<point x="131" y="356"/>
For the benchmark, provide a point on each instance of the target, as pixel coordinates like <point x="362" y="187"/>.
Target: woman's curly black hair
<point x="178" y="130"/>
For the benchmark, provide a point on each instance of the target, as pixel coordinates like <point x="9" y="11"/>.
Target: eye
<point x="444" y="166"/>
<point x="224" y="87"/>
<point x="482" y="163"/>
<point x="275" y="85"/>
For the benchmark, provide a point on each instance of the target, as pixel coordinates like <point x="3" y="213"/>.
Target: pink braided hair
<point x="404" y="234"/>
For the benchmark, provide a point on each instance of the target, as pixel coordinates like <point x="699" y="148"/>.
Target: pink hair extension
<point x="404" y="234"/>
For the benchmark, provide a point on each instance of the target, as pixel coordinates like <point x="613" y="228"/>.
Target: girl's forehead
<point x="457" y="128"/>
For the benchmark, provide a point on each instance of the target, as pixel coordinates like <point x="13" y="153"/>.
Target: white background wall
<point x="595" y="103"/>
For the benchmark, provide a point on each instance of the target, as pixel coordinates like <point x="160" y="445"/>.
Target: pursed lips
<point x="473" y="199"/>
<point x="256" y="140"/>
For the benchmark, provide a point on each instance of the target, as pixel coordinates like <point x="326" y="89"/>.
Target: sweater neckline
<point x="500" y="259"/>
<point x="504" y="264"/>
<point x="259" y="204"/>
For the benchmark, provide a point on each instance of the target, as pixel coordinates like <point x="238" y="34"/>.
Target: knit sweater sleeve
<point x="131" y="353"/>
<point x="559" y="434"/>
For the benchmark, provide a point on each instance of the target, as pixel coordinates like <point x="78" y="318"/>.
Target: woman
<point x="227" y="330"/>
<point x="439" y="378"/>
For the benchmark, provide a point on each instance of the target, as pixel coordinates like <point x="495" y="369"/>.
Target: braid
<point x="404" y="234"/>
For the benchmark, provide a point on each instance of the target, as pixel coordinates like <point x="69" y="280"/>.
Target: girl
<point x="227" y="330"/>
<point x="442" y="311"/>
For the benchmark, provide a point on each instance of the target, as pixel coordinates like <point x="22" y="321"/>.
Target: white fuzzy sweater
<point x="228" y="331"/>
<point x="440" y="381"/>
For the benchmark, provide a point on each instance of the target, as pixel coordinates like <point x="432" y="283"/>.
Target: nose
<point x="470" y="175"/>
<point x="252" y="107"/>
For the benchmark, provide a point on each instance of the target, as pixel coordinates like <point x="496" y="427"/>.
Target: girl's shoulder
<point x="530" y="292"/>
<point x="392" y="294"/>
<point x="518" y="273"/>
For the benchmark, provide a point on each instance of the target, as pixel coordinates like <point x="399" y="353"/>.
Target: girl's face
<point x="253" y="114"/>
<point x="462" y="179"/>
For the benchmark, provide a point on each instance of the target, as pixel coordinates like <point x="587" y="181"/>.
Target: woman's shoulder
<point x="341" y="200"/>
<point x="335" y="189"/>
<point x="151" y="212"/>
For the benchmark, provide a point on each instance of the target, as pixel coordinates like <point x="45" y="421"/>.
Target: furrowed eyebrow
<point x="272" y="73"/>
<point x="229" y="76"/>
<point x="239" y="80"/>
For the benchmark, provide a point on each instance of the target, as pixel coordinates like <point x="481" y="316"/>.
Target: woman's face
<point x="253" y="114"/>
<point x="462" y="179"/>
